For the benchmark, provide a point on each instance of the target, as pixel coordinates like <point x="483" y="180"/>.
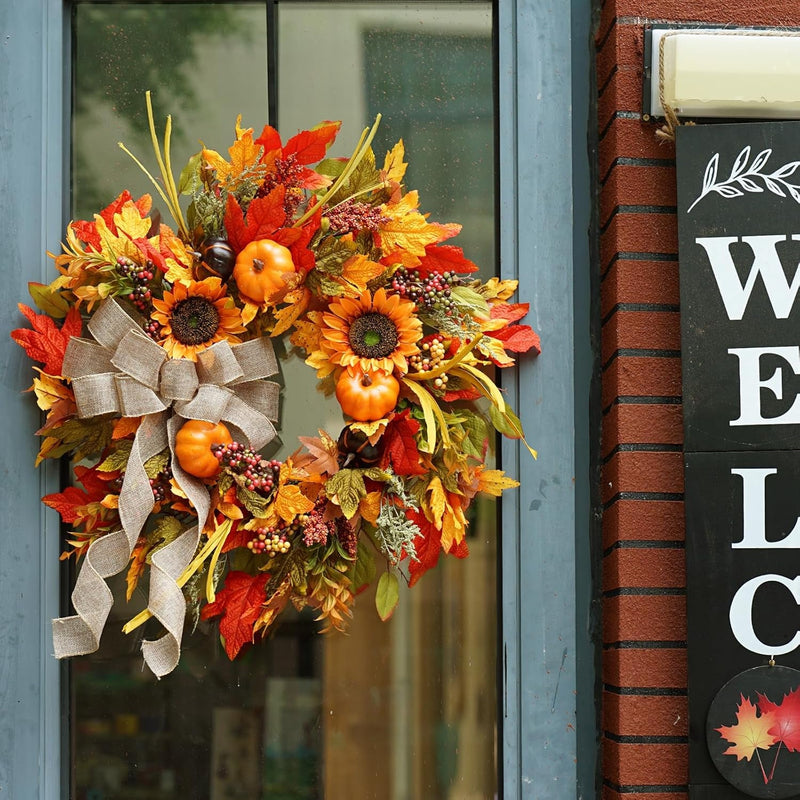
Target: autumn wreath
<point x="156" y="346"/>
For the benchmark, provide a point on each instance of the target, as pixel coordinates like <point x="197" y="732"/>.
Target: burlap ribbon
<point x="122" y="371"/>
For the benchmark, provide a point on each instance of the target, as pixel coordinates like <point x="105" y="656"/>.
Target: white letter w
<point x="766" y="262"/>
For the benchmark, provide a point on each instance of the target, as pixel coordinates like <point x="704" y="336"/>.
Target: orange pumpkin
<point x="261" y="268"/>
<point x="367" y="396"/>
<point x="193" y="446"/>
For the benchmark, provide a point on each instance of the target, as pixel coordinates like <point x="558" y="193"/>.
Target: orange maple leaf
<point x="749" y="734"/>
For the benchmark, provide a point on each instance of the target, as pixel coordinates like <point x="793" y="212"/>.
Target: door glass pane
<point x="401" y="710"/>
<point x="409" y="707"/>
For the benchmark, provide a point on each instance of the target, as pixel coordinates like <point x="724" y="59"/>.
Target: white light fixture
<point x="725" y="73"/>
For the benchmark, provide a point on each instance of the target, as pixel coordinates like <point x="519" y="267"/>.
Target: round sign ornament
<point x="753" y="732"/>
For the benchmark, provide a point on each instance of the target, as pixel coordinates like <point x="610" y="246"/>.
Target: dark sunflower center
<point x="194" y="321"/>
<point x="373" y="335"/>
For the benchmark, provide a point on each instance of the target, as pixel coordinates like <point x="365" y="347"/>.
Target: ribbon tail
<point x="92" y="599"/>
<point x="166" y="601"/>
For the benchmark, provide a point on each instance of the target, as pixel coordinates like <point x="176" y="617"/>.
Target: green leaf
<point x="86" y="437"/>
<point x="387" y="595"/>
<point x="362" y="178"/>
<point x="376" y="474"/>
<point x="118" y="459"/>
<point x="224" y="483"/>
<point x="331" y="167"/>
<point x="47" y="300"/>
<point x="362" y="571"/>
<point x="189" y="181"/>
<point x="331" y="254"/>
<point x="166" y="530"/>
<point x="252" y="501"/>
<point x="348" y="486"/>
<point x="322" y="285"/>
<point x="477" y="433"/>
<point x="507" y="423"/>
<point x="469" y="300"/>
<point x="157" y="464"/>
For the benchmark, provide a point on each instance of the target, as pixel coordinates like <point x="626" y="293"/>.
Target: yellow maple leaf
<point x="372" y="430"/>
<point x="358" y="271"/>
<point x="49" y="390"/>
<point x="129" y="221"/>
<point x="454" y="525"/>
<point x="138" y="561"/>
<point x="306" y="334"/>
<point x="125" y="426"/>
<point x="244" y="152"/>
<point x="285" y="317"/>
<point x="495" y="289"/>
<point x="494" y="482"/>
<point x="407" y="229"/>
<point x="370" y="506"/>
<point x="113" y="246"/>
<point x="215" y="161"/>
<point x="436" y="500"/>
<point x="290" y="502"/>
<point x="394" y="168"/>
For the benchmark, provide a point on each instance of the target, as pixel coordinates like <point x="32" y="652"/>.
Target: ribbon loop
<point x="178" y="379"/>
<point x="140" y="357"/>
<point x="218" y="365"/>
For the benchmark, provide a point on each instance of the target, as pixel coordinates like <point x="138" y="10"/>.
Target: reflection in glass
<point x="396" y="711"/>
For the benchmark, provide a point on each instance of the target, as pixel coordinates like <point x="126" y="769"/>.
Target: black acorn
<point x="356" y="451"/>
<point x="218" y="257"/>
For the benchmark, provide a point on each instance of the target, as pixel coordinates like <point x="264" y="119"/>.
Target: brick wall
<point x="644" y="716"/>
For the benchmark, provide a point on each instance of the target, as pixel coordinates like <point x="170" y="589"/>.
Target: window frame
<point x="546" y="659"/>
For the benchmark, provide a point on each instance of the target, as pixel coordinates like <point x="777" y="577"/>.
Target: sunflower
<point x="194" y="316"/>
<point x="371" y="331"/>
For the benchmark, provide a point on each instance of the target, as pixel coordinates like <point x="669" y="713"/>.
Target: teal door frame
<point x="546" y="657"/>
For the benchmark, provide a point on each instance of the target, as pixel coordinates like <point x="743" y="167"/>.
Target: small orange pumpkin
<point x="261" y="268"/>
<point x="193" y="446"/>
<point x="367" y="396"/>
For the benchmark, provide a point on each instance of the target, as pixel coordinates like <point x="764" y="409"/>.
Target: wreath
<point x="156" y="345"/>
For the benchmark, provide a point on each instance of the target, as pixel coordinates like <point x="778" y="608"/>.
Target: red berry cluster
<point x="269" y="541"/>
<point x="317" y="530"/>
<point x="138" y="277"/>
<point x="432" y="292"/>
<point x="160" y="484"/>
<point x="238" y="459"/>
<point x="152" y="329"/>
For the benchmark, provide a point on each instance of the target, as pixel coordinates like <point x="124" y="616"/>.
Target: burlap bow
<point x="122" y="371"/>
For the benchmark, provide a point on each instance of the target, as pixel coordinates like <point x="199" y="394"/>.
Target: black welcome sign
<point x="739" y="240"/>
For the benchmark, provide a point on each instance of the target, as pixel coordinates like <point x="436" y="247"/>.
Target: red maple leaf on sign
<point x="45" y="341"/>
<point x="239" y="604"/>
<point x="400" y="447"/>
<point x="785" y="717"/>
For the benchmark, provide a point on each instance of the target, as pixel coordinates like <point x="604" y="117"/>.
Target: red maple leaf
<point x="46" y="342"/>
<point x="238" y="537"/>
<point x="239" y="604"/>
<point x="518" y="339"/>
<point x="444" y="258"/>
<point x="400" y="447"/>
<point x="785" y="718"/>
<point x="307" y="147"/>
<point x="428" y="547"/>
<point x="68" y="503"/>
<point x="264" y="216"/>
<point x="510" y="312"/>
<point x="462" y="394"/>
<point x="86" y="231"/>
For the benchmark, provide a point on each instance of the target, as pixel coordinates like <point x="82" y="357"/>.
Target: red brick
<point x="638" y="233"/>
<point x="640" y="376"/>
<point x="631" y="138"/>
<point x="629" y="185"/>
<point x="728" y="12"/>
<point x="610" y="794"/>
<point x="642" y="472"/>
<point x="644" y="567"/>
<point x="662" y="668"/>
<point x="623" y="92"/>
<point x="645" y="764"/>
<point x="623" y="50"/>
<point x="638" y="715"/>
<point x="643" y="520"/>
<point x="639" y="282"/>
<point x="644" y="618"/>
<point x="642" y="424"/>
<point x="640" y="330"/>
